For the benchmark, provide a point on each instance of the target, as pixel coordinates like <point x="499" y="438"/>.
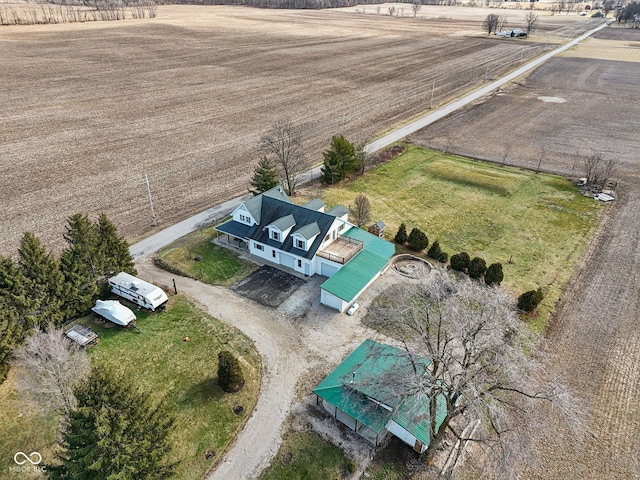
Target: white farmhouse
<point x="306" y="240"/>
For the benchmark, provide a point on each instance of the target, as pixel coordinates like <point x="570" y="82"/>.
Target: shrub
<point x="230" y="376"/>
<point x="401" y="237"/>
<point x="436" y="252"/>
<point x="460" y="261"/>
<point x="530" y="300"/>
<point x="351" y="466"/>
<point x="494" y="274"/>
<point x="477" y="267"/>
<point x="418" y="240"/>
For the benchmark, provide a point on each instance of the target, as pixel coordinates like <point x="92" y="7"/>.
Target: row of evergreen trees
<point x="40" y="289"/>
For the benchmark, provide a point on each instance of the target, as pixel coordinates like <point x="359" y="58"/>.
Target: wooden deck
<point x="341" y="250"/>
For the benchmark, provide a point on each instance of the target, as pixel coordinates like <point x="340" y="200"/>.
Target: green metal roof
<point x="372" y="243"/>
<point x="359" y="378"/>
<point x="347" y="282"/>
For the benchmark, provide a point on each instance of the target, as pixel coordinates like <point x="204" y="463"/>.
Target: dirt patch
<point x="268" y="286"/>
<point x="89" y="109"/>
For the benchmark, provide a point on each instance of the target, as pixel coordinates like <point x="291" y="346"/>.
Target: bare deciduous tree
<point x="478" y="370"/>
<point x="415" y="7"/>
<point x="592" y="168"/>
<point x="362" y="157"/>
<point x="283" y="142"/>
<point x="361" y="211"/>
<point x="607" y="170"/>
<point x="531" y="20"/>
<point x="50" y="367"/>
<point x="506" y="151"/>
<point x="490" y="23"/>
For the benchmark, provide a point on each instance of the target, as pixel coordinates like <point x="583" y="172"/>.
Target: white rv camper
<point x="138" y="291"/>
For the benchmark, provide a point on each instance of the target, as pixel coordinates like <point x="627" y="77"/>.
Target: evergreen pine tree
<point x="230" y="376"/>
<point x="83" y="241"/>
<point x="11" y="333"/>
<point x="114" y="432"/>
<point x="530" y="300"/>
<point x="494" y="274"/>
<point x="44" y="280"/>
<point x="436" y="252"/>
<point x="418" y="240"/>
<point x="477" y="267"/>
<point x="265" y="175"/>
<point x="14" y="293"/>
<point x="113" y="250"/>
<point x="339" y="160"/>
<point x="401" y="237"/>
<point x="460" y="261"/>
<point x="80" y="288"/>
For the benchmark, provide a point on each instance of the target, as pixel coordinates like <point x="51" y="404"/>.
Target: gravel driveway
<point x="299" y="342"/>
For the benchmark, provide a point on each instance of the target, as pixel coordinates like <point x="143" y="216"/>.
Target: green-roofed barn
<point x="357" y="394"/>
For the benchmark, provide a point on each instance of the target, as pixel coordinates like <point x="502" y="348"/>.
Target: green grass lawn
<point x="538" y="221"/>
<point x="217" y="265"/>
<point x="306" y="456"/>
<point x="163" y="365"/>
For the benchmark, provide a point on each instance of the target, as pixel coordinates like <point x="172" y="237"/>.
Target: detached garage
<point x="348" y="283"/>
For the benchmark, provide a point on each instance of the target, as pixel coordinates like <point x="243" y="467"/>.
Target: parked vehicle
<point x="353" y="308"/>
<point x="114" y="311"/>
<point x="138" y="291"/>
<point x="598" y="15"/>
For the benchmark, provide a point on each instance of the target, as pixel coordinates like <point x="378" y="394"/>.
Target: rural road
<point x="164" y="237"/>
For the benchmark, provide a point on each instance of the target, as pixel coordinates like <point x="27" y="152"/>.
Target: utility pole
<point x="153" y="215"/>
<point x="433" y="89"/>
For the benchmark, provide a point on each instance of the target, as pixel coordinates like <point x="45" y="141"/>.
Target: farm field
<point x="540" y="222"/>
<point x="595" y="337"/>
<point x="89" y="109"/>
<point x="162" y="364"/>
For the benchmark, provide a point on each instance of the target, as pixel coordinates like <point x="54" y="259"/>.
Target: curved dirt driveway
<point x="297" y="339"/>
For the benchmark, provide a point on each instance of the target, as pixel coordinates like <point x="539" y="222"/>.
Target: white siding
<point x="328" y="268"/>
<point x="331" y="301"/>
<point x="403" y="435"/>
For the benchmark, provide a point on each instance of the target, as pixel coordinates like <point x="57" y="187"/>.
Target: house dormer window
<point x="275" y="235"/>
<point x="300" y="244"/>
<point x="244" y="219"/>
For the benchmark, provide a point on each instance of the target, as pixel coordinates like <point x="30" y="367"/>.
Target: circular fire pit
<point x="411" y="267"/>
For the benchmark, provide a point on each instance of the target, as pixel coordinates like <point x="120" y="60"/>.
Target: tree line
<point x="72" y="11"/>
<point x="303" y="4"/>
<point x="41" y="291"/>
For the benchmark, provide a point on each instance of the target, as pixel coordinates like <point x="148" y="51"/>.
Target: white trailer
<point x="115" y="312"/>
<point x="138" y="291"/>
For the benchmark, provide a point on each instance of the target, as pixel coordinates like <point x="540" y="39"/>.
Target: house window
<point x="327" y="237"/>
<point x="299" y="263"/>
<point x="273" y="253"/>
<point x="244" y="219"/>
<point x="258" y="246"/>
<point x="275" y="235"/>
<point x="300" y="244"/>
<point x="342" y="226"/>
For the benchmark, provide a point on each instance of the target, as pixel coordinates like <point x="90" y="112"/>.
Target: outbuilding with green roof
<point x="358" y="394"/>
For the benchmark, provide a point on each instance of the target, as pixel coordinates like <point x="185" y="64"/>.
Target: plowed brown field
<point x="595" y="336"/>
<point x="88" y="109"/>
